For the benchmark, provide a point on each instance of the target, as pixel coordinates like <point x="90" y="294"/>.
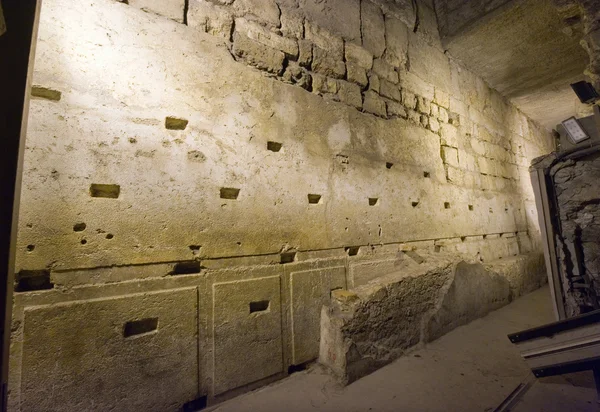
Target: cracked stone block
<point x="350" y="94"/>
<point x="265" y="12"/>
<point x="257" y="54"/>
<point x="325" y="40"/>
<point x="449" y="135"/>
<point x="247" y="314"/>
<point x="297" y="75"/>
<point x="423" y="105"/>
<point x="385" y="70"/>
<point x="356" y="74"/>
<point x="373" y="103"/>
<point x="450" y="155"/>
<point x="374" y="83"/>
<point x="434" y="125"/>
<point x="390" y="90"/>
<point x="172" y="9"/>
<point x="210" y="18"/>
<point x="292" y="23"/>
<point x="324" y="84"/>
<point x="304" y="53"/>
<point x="409" y="99"/>
<point x="396" y="109"/>
<point x="264" y="36"/>
<point x="140" y="354"/>
<point x="325" y="63"/>
<point x="359" y="55"/>
<point x="373" y="28"/>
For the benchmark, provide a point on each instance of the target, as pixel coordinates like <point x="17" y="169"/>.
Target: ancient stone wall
<point x="200" y="175"/>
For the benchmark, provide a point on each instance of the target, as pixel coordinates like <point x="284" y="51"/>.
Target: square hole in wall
<point x="471" y="207"/>
<point x="415" y="204"/>
<point x="107" y="191"/>
<point x="373" y="201"/>
<point x="426" y="174"/>
<point x="446" y="205"/>
<point x="314" y="199"/>
<point x="30" y="280"/>
<point x="229" y="193"/>
<point x="140" y="327"/>
<point x="287" y="257"/>
<point x="389" y="165"/>
<point x="259" y="306"/>
<point x="352" y="250"/>
<point x="274" y="146"/>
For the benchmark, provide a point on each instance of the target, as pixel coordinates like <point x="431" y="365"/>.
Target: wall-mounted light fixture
<point x="575" y="131"/>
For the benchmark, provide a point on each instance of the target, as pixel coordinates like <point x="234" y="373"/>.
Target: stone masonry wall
<point x="199" y="176"/>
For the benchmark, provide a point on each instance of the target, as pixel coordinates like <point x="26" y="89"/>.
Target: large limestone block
<point x="247" y="336"/>
<point x="474" y="293"/>
<point x="367" y="327"/>
<point x="309" y="290"/>
<point x="128" y="353"/>
<point x="425" y="58"/>
<point x="173" y="9"/>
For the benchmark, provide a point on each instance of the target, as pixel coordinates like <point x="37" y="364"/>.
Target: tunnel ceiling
<point x="521" y="48"/>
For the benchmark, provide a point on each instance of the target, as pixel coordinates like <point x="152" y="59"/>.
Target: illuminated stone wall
<point x="199" y="176"/>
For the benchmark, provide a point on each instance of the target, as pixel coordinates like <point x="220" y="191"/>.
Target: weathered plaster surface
<point x="261" y="155"/>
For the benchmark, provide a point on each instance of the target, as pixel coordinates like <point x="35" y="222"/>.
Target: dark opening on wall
<point x="140" y="327"/>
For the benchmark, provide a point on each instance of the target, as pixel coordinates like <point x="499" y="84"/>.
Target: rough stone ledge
<point x="367" y="327"/>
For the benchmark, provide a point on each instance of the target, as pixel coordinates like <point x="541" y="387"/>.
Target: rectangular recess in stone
<point x="287" y="257"/>
<point x="186" y="268"/>
<point x="76" y="345"/>
<point x="446" y="205"/>
<point x="414" y="204"/>
<point x="352" y="250"/>
<point x="260" y="306"/>
<point x="175" y="123"/>
<point x="314" y="199"/>
<point x="107" y="191"/>
<point x="373" y="201"/>
<point x="229" y="193"/>
<point x="246" y="348"/>
<point x="389" y="165"/>
<point x="46" y="93"/>
<point x="274" y="146"/>
<point x="471" y="207"/>
<point x="426" y="174"/>
<point x="30" y="280"/>
<point x="310" y="290"/>
<point x="140" y="327"/>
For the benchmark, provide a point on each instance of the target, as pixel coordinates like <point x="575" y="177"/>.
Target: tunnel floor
<point x="473" y="368"/>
